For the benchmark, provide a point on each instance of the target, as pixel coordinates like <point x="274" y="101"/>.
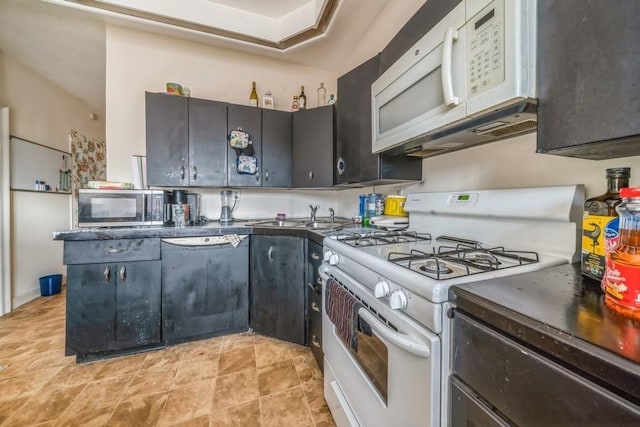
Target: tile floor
<point x="237" y="380"/>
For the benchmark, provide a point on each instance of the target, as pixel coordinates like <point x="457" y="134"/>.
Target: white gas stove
<point x="402" y="278"/>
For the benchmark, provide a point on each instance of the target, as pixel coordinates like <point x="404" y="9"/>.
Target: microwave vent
<point x="511" y="129"/>
<point x="426" y="152"/>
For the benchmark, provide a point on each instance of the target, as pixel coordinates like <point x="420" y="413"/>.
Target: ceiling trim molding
<point x="326" y="16"/>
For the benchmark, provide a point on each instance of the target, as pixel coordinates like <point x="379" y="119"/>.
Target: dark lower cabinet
<point x="204" y="290"/>
<point x="314" y="301"/>
<point x="506" y="383"/>
<point x="112" y="306"/>
<point x="278" y="287"/>
<point x="113" y="296"/>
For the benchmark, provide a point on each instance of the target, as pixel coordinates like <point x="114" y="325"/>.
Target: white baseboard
<point x="25" y="298"/>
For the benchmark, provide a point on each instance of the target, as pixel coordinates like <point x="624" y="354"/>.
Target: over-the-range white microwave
<point x="469" y="80"/>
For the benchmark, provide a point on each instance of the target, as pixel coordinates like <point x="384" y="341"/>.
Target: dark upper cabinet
<point x="277" y="272"/>
<point x="313" y="147"/>
<point x="167" y="135"/>
<point x="249" y="119"/>
<point x="186" y="141"/>
<point x="207" y="143"/>
<point x="588" y="78"/>
<point x="355" y="164"/>
<point x="420" y="23"/>
<point x="276" y="148"/>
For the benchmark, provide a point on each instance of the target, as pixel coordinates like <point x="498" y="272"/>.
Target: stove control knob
<point x="334" y="259"/>
<point x="326" y="256"/>
<point x="398" y="300"/>
<point x="382" y="289"/>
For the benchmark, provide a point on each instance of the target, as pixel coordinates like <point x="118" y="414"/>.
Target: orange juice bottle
<point x="621" y="282"/>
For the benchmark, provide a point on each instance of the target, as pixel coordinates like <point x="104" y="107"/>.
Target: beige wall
<point x="43" y="113"/>
<point x="515" y="163"/>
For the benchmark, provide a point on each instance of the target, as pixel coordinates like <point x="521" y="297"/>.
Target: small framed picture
<point x="267" y="101"/>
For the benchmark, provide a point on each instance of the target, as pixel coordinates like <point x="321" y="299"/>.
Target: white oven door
<point x="393" y="378"/>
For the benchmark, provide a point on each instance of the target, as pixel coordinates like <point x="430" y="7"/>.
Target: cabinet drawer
<point x="100" y="251"/>
<point x="467" y="410"/>
<point x="315" y="325"/>
<point x="528" y="388"/>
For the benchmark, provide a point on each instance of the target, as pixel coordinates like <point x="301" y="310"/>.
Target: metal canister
<point x="375" y="205"/>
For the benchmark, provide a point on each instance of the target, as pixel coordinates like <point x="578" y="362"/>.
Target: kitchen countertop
<point x="211" y="228"/>
<point x="562" y="315"/>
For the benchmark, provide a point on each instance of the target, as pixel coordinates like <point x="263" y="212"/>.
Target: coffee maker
<point x="187" y="204"/>
<point x="226" y="207"/>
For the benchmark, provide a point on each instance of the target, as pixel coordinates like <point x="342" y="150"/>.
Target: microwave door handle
<point x="399" y="340"/>
<point x="450" y="35"/>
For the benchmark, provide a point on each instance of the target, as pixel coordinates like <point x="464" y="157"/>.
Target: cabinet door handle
<point x="314" y="341"/>
<point x="315" y="256"/>
<point x="450" y="35"/>
<point x="270" y="253"/>
<point x="114" y="250"/>
<point x="310" y="175"/>
<point x="340" y="166"/>
<point x="195" y="172"/>
<point x="182" y="172"/>
<point x="123" y="273"/>
<point x="315" y="307"/>
<point x="266" y="175"/>
<point x="107" y="274"/>
<point x="319" y="281"/>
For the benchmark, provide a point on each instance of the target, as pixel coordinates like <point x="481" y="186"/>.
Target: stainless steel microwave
<point x="471" y="68"/>
<point x="118" y="208"/>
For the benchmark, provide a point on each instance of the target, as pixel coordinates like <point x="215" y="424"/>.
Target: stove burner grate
<point x="461" y="260"/>
<point x="377" y="237"/>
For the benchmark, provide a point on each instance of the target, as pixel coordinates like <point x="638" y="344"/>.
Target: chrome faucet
<point x="332" y="215"/>
<point x="314" y="209"/>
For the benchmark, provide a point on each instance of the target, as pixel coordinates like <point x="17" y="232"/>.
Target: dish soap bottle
<point x="600" y="224"/>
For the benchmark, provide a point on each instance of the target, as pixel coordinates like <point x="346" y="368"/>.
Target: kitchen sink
<point x="275" y="223"/>
<point x="300" y="223"/>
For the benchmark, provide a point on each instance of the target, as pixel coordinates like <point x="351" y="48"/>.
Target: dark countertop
<point x="562" y="315"/>
<point x="211" y="228"/>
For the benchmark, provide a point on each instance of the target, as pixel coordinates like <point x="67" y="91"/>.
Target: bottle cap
<point x="629" y="192"/>
<point x="618" y="172"/>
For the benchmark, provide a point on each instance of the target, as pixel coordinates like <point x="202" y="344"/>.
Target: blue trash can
<point x="50" y="285"/>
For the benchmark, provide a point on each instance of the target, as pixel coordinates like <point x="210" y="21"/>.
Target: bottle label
<point x="622" y="283"/>
<point x="599" y="236"/>
<point x="253" y="102"/>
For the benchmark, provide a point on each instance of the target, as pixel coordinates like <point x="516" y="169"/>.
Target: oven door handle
<point x="414" y="347"/>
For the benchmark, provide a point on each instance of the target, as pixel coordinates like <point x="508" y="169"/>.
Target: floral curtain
<point x="88" y="164"/>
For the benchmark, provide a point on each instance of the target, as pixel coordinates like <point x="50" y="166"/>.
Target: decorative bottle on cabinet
<point x="294" y="105"/>
<point x="253" y="98"/>
<point x="600" y="224"/>
<point x="302" y="99"/>
<point x="322" y="95"/>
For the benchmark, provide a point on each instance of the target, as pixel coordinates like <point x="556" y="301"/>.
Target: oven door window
<point x="372" y="356"/>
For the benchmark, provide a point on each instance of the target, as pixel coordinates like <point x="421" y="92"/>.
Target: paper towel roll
<point x="138" y="171"/>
